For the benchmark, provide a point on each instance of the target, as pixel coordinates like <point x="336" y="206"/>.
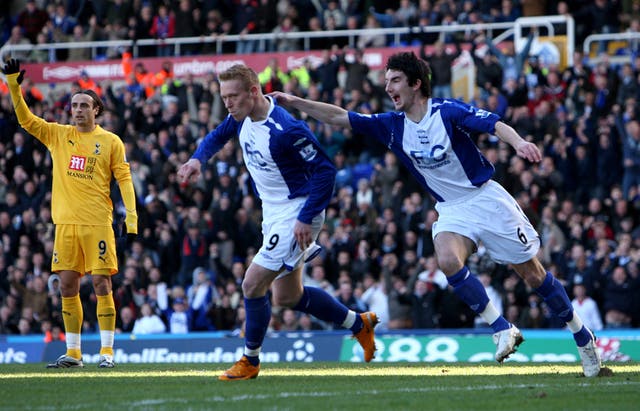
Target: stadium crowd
<point x="183" y="273"/>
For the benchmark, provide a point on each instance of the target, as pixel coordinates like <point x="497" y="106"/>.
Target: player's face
<point x="82" y="111"/>
<point x="236" y="99"/>
<point x="398" y="89"/>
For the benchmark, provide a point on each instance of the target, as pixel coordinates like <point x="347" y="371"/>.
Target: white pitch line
<point x="321" y="394"/>
<point x="145" y="403"/>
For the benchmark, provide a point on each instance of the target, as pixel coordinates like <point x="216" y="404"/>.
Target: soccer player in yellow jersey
<point x="85" y="156"/>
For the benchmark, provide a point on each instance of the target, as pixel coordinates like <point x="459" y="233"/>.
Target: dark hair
<point x="414" y="68"/>
<point x="97" y="101"/>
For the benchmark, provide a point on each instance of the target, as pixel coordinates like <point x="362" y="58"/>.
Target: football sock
<point x="322" y="305"/>
<point x="470" y="290"/>
<point x="558" y="301"/>
<point x="106" y="311"/>
<point x="556" y="298"/>
<point x="72" y="318"/>
<point x="582" y="337"/>
<point x="258" y="312"/>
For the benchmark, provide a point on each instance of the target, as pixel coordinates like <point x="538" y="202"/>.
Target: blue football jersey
<point x="283" y="157"/>
<point x="439" y="150"/>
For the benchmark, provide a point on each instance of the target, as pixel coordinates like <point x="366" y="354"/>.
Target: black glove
<point x="124" y="239"/>
<point x="129" y="237"/>
<point x="12" y="66"/>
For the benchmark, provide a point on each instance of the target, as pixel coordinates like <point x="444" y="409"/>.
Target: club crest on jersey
<point x="482" y="113"/>
<point x="77" y="163"/>
<point x="97" y="150"/>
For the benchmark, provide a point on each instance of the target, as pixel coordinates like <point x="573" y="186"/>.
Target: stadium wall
<point x="430" y="346"/>
<point x="200" y="65"/>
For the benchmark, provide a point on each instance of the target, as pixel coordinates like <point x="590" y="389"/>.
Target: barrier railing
<point x="397" y="34"/>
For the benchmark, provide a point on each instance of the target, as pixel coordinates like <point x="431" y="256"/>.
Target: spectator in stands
<point x="425" y="304"/>
<point x="357" y="70"/>
<point x="372" y="39"/>
<point x="162" y="28"/>
<point x="334" y="12"/>
<point x="283" y="42"/>
<point x="18" y="39"/>
<point x="586" y="307"/>
<point x="326" y="74"/>
<point x="63" y="23"/>
<point x="244" y="15"/>
<point x="179" y="316"/>
<point x="631" y="157"/>
<point x="346" y="296"/>
<point x="619" y="291"/>
<point x="441" y="63"/>
<point x="221" y="314"/>
<point x="375" y="297"/>
<point x="489" y="72"/>
<point x="32" y="19"/>
<point x="273" y="78"/>
<point x="512" y="62"/>
<point x="148" y="322"/>
<point x="600" y="16"/>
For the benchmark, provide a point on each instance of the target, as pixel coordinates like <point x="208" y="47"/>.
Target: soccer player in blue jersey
<point x="294" y="178"/>
<point x="433" y="138"/>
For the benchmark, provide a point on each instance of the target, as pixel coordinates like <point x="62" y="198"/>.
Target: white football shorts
<point x="492" y="216"/>
<point x="280" y="250"/>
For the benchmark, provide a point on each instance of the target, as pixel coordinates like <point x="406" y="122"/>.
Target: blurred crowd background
<point x="196" y="240"/>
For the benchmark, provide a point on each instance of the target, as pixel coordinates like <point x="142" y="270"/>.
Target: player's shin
<point x="472" y="292"/>
<point x="106" y="312"/>
<point x="554" y="294"/>
<point x="258" y="312"/>
<point x="72" y="317"/>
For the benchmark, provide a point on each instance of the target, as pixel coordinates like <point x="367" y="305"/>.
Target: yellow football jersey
<point x="83" y="165"/>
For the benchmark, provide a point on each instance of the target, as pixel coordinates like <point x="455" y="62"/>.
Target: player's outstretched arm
<point x="189" y="170"/>
<point x="29" y="121"/>
<point x="523" y="148"/>
<point x="326" y="113"/>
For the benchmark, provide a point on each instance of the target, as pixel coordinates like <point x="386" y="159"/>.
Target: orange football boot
<point x="241" y="370"/>
<point x="365" y="336"/>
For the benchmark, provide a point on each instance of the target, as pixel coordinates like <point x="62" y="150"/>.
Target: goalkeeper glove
<point x="12" y="66"/>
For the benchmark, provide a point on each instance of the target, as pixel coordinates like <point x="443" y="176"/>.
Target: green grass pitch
<point x="321" y="386"/>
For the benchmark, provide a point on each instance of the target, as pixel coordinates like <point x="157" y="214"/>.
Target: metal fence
<point x="395" y="36"/>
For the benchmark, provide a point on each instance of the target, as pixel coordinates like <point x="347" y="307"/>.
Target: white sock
<point x="252" y="353"/>
<point x="106" y="338"/>
<point x="73" y="341"/>
<point x="490" y="313"/>
<point x="350" y="320"/>
<point x="575" y="324"/>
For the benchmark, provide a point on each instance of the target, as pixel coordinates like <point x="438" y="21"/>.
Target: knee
<point x="250" y="289"/>
<point x="285" y="300"/>
<point x="449" y="264"/>
<point x="101" y="284"/>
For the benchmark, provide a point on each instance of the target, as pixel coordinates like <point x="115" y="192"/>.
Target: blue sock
<point x="258" y="313"/>
<point x="556" y="298"/>
<point x="322" y="305"/>
<point x="470" y="290"/>
<point x="582" y="337"/>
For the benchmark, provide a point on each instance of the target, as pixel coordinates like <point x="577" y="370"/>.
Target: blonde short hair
<point x="247" y="76"/>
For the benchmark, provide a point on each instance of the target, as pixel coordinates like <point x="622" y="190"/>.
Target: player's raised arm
<point x="327" y="113"/>
<point x="524" y="148"/>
